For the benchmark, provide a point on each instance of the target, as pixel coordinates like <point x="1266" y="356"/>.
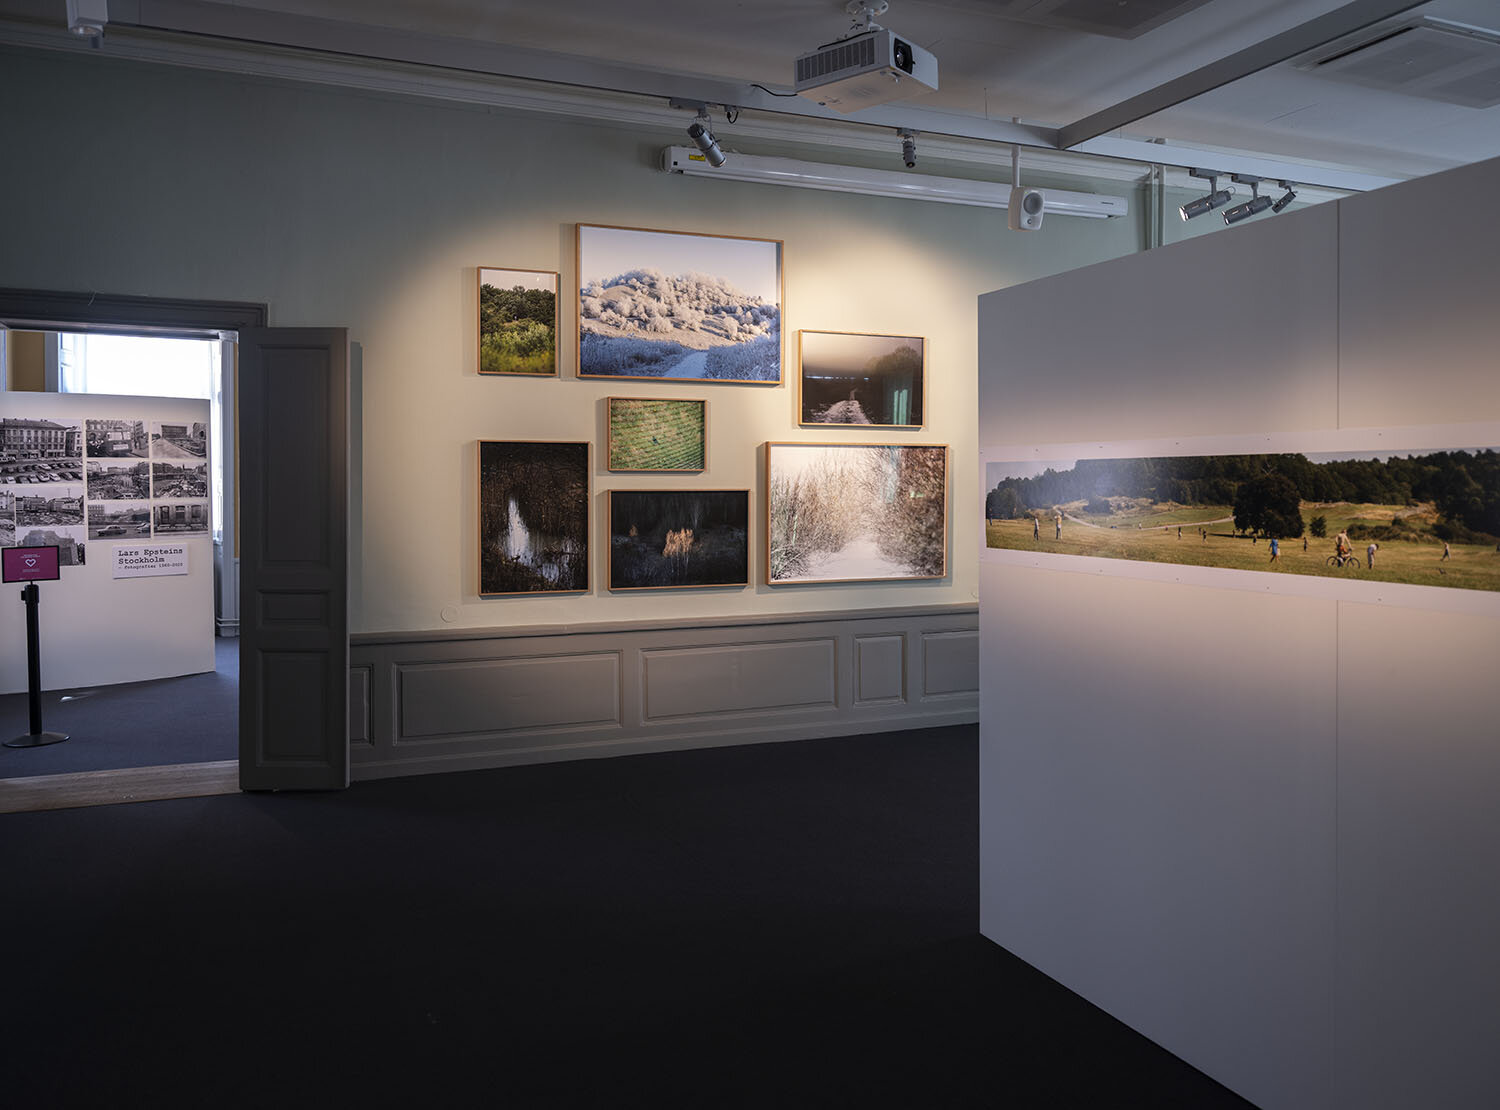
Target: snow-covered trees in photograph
<point x="856" y="512"/>
<point x="661" y="304"/>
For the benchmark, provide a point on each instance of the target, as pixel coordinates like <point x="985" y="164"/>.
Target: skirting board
<point x="433" y="701"/>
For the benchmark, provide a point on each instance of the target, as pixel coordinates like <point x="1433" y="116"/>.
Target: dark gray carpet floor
<point x="776" y="925"/>
<point x="192" y="719"/>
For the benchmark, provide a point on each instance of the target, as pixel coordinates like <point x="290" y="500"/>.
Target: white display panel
<point x="95" y="628"/>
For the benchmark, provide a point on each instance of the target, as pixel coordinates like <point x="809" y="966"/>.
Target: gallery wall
<point x="1252" y="824"/>
<point x="371" y="212"/>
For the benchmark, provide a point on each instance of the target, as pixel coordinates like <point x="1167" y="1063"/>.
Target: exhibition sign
<point x="1377" y="506"/>
<point x="30" y="564"/>
<point x="150" y="560"/>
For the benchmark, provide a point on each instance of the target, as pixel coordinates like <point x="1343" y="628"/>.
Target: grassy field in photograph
<point x="1144" y="535"/>
<point x="655" y="435"/>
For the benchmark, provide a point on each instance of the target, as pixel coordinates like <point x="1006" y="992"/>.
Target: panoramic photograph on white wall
<point x="678" y="306"/>
<point x="1413" y="517"/>
<point x="855" y="512"/>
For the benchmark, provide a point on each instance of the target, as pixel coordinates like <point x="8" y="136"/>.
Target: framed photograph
<point x="122" y="479"/>
<point x="183" y="439"/>
<point x="173" y="480"/>
<point x="673" y="305"/>
<point x="120" y="520"/>
<point x="855" y="512"/>
<point x="180" y="518"/>
<point x="678" y="539"/>
<point x="115" y="439"/>
<point x="518" y="322"/>
<point x="533" y="517"/>
<point x="49" y="506"/>
<point x="648" y="434"/>
<point x="40" y="450"/>
<point x="868" y="380"/>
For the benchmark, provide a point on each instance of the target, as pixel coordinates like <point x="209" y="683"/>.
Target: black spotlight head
<point x="1216" y="199"/>
<point x="1244" y="211"/>
<point x="1286" y="199"/>
<point x="704" y="140"/>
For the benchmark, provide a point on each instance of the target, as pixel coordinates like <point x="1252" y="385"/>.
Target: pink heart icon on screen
<point x="30" y="560"/>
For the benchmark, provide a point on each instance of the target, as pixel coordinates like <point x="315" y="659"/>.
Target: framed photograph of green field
<point x="678" y="306"/>
<point x="533" y="517"/>
<point x="678" y="539"/>
<point x="646" y="433"/>
<point x="1409" y="515"/>
<point x="518" y="322"/>
<point x="855" y="512"/>
<point x="861" y="380"/>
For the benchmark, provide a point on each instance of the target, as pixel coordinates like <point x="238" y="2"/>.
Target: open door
<point x="294" y="540"/>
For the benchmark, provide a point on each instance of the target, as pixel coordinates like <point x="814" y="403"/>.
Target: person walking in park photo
<point x="1275" y="549"/>
<point x="1370" y="554"/>
<point x="1059" y="528"/>
<point x="1036" y="528"/>
<point x="1304" y="544"/>
<point x="1446" y="552"/>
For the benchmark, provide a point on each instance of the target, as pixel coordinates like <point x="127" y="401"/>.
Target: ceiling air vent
<point x="1429" y="58"/>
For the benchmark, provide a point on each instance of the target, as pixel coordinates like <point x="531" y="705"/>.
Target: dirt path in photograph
<point x="694" y="365"/>
<point x="1153" y="527"/>
<point x="859" y="558"/>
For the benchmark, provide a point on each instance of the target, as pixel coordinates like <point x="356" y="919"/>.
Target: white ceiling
<point x="992" y="67"/>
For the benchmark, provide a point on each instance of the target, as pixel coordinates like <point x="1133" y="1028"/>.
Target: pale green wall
<point x="344" y="208"/>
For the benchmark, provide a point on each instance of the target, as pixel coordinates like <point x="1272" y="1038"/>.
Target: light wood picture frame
<point x="517" y="322"/>
<point x="678" y="306"/>
<point x="656" y="434"/>
<point x="855" y="512"/>
<point x="534" y="517"/>
<point x="854" y="379"/>
<point x="664" y="539"/>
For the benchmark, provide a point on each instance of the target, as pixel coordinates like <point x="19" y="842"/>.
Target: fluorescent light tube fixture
<point x="884" y="183"/>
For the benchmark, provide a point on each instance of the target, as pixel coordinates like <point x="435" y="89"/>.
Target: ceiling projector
<point x="865" y="69"/>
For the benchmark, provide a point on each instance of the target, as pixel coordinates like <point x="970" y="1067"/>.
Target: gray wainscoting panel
<point x="879" y="669"/>
<point x="732" y="678"/>
<point x="950" y="664"/>
<point x="508" y="695"/>
<point x="441" y="701"/>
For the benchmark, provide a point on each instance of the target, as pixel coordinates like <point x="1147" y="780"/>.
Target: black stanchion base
<point x="36" y="739"/>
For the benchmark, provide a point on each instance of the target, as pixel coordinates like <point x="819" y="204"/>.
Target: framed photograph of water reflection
<point x="855" y="512"/>
<point x="518" y="322"/>
<point x="533" y="517"/>
<point x="862" y="380"/>
<point x="678" y="306"/>
<point x="678" y="539"/>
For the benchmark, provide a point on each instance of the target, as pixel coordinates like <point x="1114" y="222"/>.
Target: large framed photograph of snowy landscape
<point x="533" y="517"/>
<point x="866" y="380"/>
<point x="679" y="306"/>
<point x="855" y="512"/>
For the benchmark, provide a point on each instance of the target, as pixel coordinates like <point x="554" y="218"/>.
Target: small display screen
<point x="29" y="564"/>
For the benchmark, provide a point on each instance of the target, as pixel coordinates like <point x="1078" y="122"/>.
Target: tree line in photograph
<point x="1268" y="492"/>
<point x="517" y="330"/>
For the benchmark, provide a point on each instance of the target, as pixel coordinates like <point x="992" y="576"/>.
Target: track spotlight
<point x="908" y="146"/>
<point x="87" y="18"/>
<point x="704" y="139"/>
<point x="1286" y="198"/>
<point x="1216" y="197"/>
<point x="1255" y="205"/>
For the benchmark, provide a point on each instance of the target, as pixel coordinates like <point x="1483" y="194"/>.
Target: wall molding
<point x="432" y="701"/>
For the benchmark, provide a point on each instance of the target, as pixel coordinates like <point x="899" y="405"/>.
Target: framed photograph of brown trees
<point x="678" y="539"/>
<point x="863" y="380"/>
<point x="517" y="322"/>
<point x="533" y="517"/>
<point x="855" y="512"/>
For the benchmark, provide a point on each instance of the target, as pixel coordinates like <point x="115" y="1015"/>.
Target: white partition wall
<point x="1259" y="828"/>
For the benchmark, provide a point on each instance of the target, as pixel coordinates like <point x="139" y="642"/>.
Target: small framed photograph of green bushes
<point x="648" y="433"/>
<point x="518" y="322"/>
<point x="678" y="539"/>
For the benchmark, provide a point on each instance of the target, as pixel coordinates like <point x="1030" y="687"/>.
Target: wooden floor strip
<point x="129" y="784"/>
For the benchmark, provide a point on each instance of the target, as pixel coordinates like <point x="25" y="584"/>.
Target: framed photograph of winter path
<point x="855" y="512"/>
<point x="678" y="539"/>
<point x="649" y="434"/>
<point x="678" y="306"/>
<point x="533" y="517"/>
<point x="866" y="380"/>
<point x="518" y="322"/>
